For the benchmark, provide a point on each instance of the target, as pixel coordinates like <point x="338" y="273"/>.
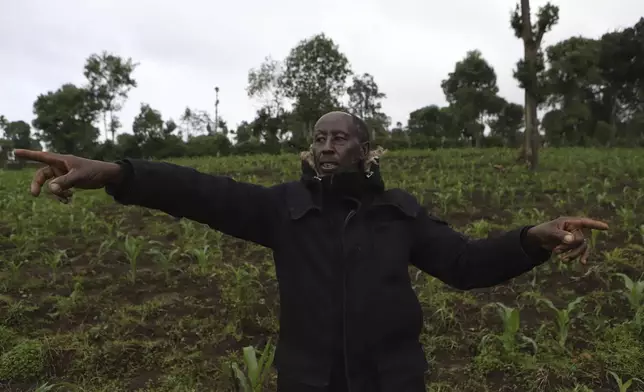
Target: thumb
<point x="64" y="182"/>
<point x="564" y="236"/>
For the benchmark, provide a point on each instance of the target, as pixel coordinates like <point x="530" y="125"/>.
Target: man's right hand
<point x="69" y="171"/>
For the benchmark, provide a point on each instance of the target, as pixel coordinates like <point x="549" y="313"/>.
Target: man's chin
<point x="324" y="173"/>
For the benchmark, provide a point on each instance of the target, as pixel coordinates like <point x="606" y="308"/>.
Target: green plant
<point x="623" y="386"/>
<point x="164" y="259"/>
<point x="253" y="379"/>
<point x="511" y="325"/>
<point x="563" y="317"/>
<point x="25" y="361"/>
<point x="634" y="293"/>
<point x="133" y="247"/>
<point x="202" y="257"/>
<point x="54" y="260"/>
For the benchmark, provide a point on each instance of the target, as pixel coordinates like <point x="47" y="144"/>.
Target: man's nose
<point x="328" y="146"/>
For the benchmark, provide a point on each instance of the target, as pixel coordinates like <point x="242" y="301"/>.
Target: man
<point x="342" y="244"/>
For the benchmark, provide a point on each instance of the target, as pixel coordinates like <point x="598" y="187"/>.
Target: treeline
<point x="590" y="93"/>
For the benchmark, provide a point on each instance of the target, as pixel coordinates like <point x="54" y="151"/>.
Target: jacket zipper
<point x="344" y="302"/>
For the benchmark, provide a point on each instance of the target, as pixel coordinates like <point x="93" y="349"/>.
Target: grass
<point x="113" y="298"/>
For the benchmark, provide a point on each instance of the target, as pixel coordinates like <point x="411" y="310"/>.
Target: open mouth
<point x="328" y="166"/>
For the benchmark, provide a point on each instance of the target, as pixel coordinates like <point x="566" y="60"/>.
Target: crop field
<point x="114" y="298"/>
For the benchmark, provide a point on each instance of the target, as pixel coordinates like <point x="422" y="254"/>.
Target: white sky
<point x="186" y="48"/>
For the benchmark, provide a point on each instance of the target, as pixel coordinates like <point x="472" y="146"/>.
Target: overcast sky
<point x="186" y="48"/>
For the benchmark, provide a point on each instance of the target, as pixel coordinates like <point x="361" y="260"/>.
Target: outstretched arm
<point x="243" y="210"/>
<point x="465" y="263"/>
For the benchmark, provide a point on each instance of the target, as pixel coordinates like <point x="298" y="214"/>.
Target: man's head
<point x="340" y="143"/>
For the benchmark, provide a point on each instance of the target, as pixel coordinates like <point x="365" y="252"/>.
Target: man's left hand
<point x="565" y="236"/>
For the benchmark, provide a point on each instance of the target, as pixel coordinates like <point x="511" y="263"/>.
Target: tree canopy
<point x="581" y="91"/>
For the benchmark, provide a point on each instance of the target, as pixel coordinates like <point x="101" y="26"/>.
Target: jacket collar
<point x="301" y="197"/>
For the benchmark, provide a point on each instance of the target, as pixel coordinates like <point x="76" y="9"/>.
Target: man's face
<point x="336" y="145"/>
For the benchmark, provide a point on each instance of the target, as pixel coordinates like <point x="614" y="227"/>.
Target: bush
<point x="25" y="361"/>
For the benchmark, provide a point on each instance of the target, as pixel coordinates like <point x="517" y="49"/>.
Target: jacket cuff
<point x="533" y="251"/>
<point x="118" y="191"/>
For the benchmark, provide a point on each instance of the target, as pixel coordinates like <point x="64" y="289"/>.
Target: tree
<point x="315" y="77"/>
<point x="268" y="127"/>
<point x="148" y="123"/>
<point x="154" y="135"/>
<point x="65" y="118"/>
<point x="264" y="84"/>
<point x="471" y="91"/>
<point x="197" y="122"/>
<point x="621" y="59"/>
<point x="528" y="69"/>
<point x="365" y="101"/>
<point x="110" y="80"/>
<point x="222" y="126"/>
<point x="19" y="134"/>
<point x="574" y="83"/>
<point x="244" y="132"/>
<point x="432" y="122"/>
<point x="507" y="124"/>
<point x="208" y="145"/>
<point x="592" y="88"/>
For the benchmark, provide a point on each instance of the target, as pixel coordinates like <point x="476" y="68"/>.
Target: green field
<point x="114" y="298"/>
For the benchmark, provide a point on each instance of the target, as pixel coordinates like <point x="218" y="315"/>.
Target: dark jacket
<point x="341" y="259"/>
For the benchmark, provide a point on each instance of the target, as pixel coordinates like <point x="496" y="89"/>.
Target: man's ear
<point x="365" y="147"/>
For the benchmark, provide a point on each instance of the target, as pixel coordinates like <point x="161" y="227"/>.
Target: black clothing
<point x="342" y="246"/>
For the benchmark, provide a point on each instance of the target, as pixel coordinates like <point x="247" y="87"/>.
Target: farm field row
<point x="114" y="298"/>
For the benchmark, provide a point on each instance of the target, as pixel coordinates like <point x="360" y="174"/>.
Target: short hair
<point x="361" y="128"/>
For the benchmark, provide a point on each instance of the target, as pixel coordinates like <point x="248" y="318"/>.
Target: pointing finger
<point x="587" y="223"/>
<point x="48" y="158"/>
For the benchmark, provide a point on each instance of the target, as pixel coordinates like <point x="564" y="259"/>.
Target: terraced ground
<point x="113" y="298"/>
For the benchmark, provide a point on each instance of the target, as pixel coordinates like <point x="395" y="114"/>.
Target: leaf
<point x="242" y="381"/>
<point x="250" y="359"/>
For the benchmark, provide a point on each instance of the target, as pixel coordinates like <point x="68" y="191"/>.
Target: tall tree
<point x="507" y="123"/>
<point x="264" y="85"/>
<point x="153" y="134"/>
<point x="471" y="91"/>
<point x="148" y="123"/>
<point x="574" y="83"/>
<point x="432" y="122"/>
<point x="19" y="134"/>
<point x="365" y="101"/>
<point x="268" y="127"/>
<point x="529" y="68"/>
<point x="315" y="77"/>
<point x="66" y="119"/>
<point x="110" y="81"/>
<point x="197" y="122"/>
<point x="621" y="60"/>
<point x="244" y="132"/>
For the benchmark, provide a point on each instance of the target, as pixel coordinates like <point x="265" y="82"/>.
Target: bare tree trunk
<point x="525" y="152"/>
<point x="530" y="148"/>
<point x="535" y="141"/>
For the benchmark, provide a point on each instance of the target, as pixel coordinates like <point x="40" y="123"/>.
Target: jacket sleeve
<point x="242" y="210"/>
<point x="465" y="263"/>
